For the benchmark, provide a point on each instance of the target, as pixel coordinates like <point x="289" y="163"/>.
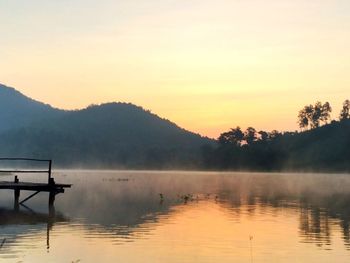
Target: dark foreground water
<point x="121" y="216"/>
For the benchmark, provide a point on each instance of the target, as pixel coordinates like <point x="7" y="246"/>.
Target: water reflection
<point x="317" y="198"/>
<point x="217" y="212"/>
<point x="321" y="201"/>
<point x="25" y="223"/>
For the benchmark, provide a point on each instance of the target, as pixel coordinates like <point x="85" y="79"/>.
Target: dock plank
<point x="32" y="186"/>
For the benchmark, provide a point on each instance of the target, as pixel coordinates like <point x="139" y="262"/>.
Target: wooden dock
<point x="51" y="187"/>
<point x="42" y="187"/>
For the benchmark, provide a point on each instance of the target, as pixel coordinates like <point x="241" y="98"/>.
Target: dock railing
<point x="18" y="186"/>
<point x="48" y="171"/>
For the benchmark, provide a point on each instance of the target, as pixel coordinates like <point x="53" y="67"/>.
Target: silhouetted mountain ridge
<point x="123" y="135"/>
<point x="18" y="110"/>
<point x="106" y="135"/>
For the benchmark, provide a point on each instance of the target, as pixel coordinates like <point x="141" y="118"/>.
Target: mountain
<point x="111" y="135"/>
<point x="123" y="135"/>
<point x="17" y="110"/>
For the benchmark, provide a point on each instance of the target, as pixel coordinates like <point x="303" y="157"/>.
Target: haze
<point x="206" y="65"/>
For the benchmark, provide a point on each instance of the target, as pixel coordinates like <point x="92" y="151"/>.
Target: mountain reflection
<point x="320" y="201"/>
<point x="122" y="206"/>
<point x="127" y="206"/>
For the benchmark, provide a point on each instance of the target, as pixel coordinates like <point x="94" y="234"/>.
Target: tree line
<point x="237" y="137"/>
<point x="323" y="147"/>
<point x="312" y="116"/>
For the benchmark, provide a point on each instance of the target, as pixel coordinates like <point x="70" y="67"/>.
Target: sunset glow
<point x="205" y="65"/>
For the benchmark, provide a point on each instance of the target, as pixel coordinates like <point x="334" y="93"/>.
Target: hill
<point x="123" y="135"/>
<point x="111" y="135"/>
<point x="18" y="110"/>
<point x="326" y="148"/>
<point x="323" y="149"/>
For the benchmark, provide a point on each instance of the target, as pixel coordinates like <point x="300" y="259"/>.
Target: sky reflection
<point x="202" y="217"/>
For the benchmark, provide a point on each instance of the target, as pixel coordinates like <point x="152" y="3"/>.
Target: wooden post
<point x="52" y="199"/>
<point x="52" y="195"/>
<point x="17" y="194"/>
<point x="50" y="165"/>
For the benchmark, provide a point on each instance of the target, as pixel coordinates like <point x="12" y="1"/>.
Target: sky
<point x="206" y="65"/>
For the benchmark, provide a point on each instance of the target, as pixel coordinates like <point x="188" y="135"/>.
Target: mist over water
<point x="151" y="216"/>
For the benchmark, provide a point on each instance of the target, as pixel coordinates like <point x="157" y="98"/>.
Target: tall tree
<point x="250" y="135"/>
<point x="345" y="112"/>
<point x="326" y="112"/>
<point x="305" y="116"/>
<point x="316" y="115"/>
<point x="313" y="115"/>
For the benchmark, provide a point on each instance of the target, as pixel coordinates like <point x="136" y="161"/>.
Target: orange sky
<point x="206" y="65"/>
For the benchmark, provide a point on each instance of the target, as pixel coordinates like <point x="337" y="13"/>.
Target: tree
<point x="263" y="135"/>
<point x="224" y="138"/>
<point x="316" y="115"/>
<point x="326" y="112"/>
<point x="313" y="115"/>
<point x="274" y="134"/>
<point x="303" y="116"/>
<point x="250" y="135"/>
<point x="232" y="137"/>
<point x="345" y="112"/>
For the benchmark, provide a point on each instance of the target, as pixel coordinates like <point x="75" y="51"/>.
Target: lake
<point x="151" y="216"/>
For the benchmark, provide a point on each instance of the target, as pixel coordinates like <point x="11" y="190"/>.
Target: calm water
<point x="120" y="216"/>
